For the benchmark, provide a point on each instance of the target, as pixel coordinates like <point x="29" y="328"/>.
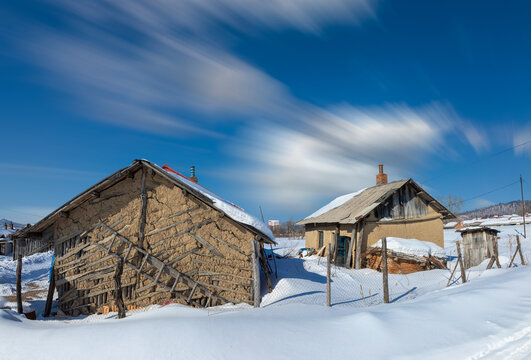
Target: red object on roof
<point x="169" y="169"/>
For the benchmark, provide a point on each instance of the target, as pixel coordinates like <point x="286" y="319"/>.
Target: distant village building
<point x="354" y="222"/>
<point x="6" y="245"/>
<point x="178" y="242"/>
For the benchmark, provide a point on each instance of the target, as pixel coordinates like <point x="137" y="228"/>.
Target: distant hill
<point x="15" y="224"/>
<point x="508" y="208"/>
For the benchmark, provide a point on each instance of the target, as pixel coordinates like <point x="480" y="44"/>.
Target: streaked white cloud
<point x="522" y="142"/>
<point x="43" y="171"/>
<point x="338" y="152"/>
<point x="164" y="66"/>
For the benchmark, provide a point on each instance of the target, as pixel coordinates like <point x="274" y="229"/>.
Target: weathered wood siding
<point x="478" y="246"/>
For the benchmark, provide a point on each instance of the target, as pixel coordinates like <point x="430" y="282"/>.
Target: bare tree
<point x="452" y="203"/>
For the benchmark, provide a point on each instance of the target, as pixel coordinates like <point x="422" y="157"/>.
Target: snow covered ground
<point x="488" y="317"/>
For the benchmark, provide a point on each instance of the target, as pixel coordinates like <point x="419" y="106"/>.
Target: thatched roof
<point x="365" y="201"/>
<point x="232" y="211"/>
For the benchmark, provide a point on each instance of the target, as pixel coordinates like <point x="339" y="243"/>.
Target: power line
<point x="491" y="191"/>
<point x="481" y="160"/>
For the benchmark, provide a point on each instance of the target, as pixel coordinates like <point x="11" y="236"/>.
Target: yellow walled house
<point x="353" y="222"/>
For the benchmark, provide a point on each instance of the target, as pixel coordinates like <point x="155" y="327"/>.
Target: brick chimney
<point x="11" y="226"/>
<point x="381" y="178"/>
<point x="192" y="174"/>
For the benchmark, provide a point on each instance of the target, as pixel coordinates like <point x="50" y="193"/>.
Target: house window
<point x="321" y="239"/>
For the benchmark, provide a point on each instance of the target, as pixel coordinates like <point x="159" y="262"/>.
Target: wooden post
<point x="513" y="257"/>
<point x="19" y="284"/>
<point x="491" y="262"/>
<point x="384" y="272"/>
<point x="351" y="247"/>
<point x="523" y="205"/>
<point x="336" y="241"/>
<point x="520" y="249"/>
<point x="256" y="274"/>
<point x="143" y="197"/>
<point x="49" y="298"/>
<point x="328" y="263"/>
<point x="264" y="266"/>
<point x="274" y="260"/>
<point x="495" y="248"/>
<point x="452" y="274"/>
<point x="460" y="259"/>
<point x="361" y="229"/>
<point x="118" y="298"/>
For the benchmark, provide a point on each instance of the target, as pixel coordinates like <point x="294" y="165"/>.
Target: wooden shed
<point x="479" y="243"/>
<point x="178" y="241"/>
<point x="354" y="222"/>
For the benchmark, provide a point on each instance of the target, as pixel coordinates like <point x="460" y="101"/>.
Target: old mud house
<point x="178" y="241"/>
<point x="354" y="222"/>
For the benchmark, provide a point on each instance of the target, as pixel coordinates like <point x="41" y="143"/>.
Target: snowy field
<point x="488" y="317"/>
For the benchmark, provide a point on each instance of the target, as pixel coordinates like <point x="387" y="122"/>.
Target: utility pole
<point x="523" y="204"/>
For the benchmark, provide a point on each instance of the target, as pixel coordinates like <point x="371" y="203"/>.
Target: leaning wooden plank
<point x="216" y="273"/>
<point x="199" y="261"/>
<point x="171" y="271"/>
<point x="514" y="256"/>
<point x="191" y="293"/>
<point x="230" y="290"/>
<point x="245" y="285"/>
<point x="232" y="246"/>
<point x="156" y="231"/>
<point x="206" y="244"/>
<point x="49" y="298"/>
<point x="522" y="261"/>
<point x="183" y="255"/>
<point x="192" y="209"/>
<point x="196" y="226"/>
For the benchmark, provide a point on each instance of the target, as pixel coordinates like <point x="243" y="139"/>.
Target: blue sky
<point x="280" y="104"/>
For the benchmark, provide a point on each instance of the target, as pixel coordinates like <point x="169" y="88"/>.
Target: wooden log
<point x="328" y="274"/>
<point x="143" y="211"/>
<point x="460" y="260"/>
<point x="206" y="244"/>
<point x="19" y="284"/>
<point x="118" y="296"/>
<point x="520" y="249"/>
<point x="256" y="274"/>
<point x="361" y="229"/>
<point x="385" y="275"/>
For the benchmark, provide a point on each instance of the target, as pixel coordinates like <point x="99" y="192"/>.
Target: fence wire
<point x="303" y="279"/>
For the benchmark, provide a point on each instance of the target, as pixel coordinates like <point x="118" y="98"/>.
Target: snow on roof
<point x="6" y="232"/>
<point x="338" y="201"/>
<point x="233" y="211"/>
<point x="412" y="247"/>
